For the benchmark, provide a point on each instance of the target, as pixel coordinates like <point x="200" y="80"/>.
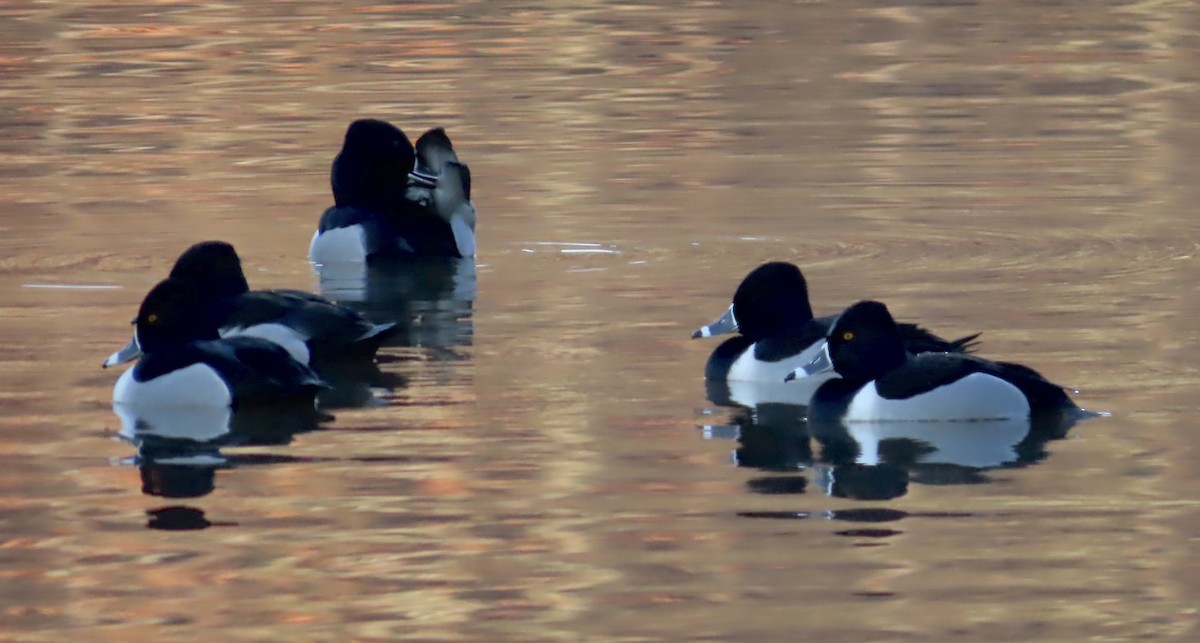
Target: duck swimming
<point x="394" y="202"/>
<point x="313" y="329"/>
<point x="184" y="363"/>
<point x="880" y="379"/>
<point x="777" y="330"/>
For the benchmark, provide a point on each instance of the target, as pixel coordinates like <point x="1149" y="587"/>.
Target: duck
<point x="433" y="150"/>
<point x="880" y="380"/>
<point x="315" y="331"/>
<point x="394" y="201"/>
<point x="441" y="183"/>
<point x="184" y="363"/>
<point x="777" y="332"/>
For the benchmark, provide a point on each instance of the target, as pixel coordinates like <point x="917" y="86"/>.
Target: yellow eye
<point x="847" y="336"/>
<point x="152" y="318"/>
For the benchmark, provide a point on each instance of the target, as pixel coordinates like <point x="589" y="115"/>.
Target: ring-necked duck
<point x="391" y="201"/>
<point x="777" y="330"/>
<point x="433" y="150"/>
<point x="879" y="380"/>
<point x="313" y="329"/>
<point x="185" y="363"/>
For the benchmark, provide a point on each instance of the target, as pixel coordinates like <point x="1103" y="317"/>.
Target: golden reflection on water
<point x="1024" y="170"/>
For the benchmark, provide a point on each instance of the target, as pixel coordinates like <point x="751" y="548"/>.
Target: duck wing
<point x="326" y="326"/>
<point x="259" y="371"/>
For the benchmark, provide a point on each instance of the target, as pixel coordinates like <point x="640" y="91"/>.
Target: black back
<point x="402" y="232"/>
<point x="336" y="332"/>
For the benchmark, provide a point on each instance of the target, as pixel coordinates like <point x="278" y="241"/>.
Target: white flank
<point x="195" y="385"/>
<point x="974" y="397"/>
<point x="747" y="368"/>
<point x="338" y="245"/>
<point x="286" y="336"/>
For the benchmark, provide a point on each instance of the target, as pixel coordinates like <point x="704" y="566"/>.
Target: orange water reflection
<point x="1024" y="170"/>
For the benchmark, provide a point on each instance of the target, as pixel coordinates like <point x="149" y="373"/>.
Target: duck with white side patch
<point x="394" y="202"/>
<point x="880" y="381"/>
<point x="184" y="364"/>
<point x="777" y="332"/>
<point x="314" y="330"/>
<point x="368" y="178"/>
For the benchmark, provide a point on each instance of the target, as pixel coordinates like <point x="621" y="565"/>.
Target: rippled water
<point x="550" y="464"/>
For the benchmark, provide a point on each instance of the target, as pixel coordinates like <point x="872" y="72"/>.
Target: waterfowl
<point x="879" y="379"/>
<point x="314" y="330"/>
<point x="185" y="363"/>
<point x="394" y="202"/>
<point x="777" y="330"/>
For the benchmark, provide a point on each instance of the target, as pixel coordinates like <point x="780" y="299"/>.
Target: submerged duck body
<point x="394" y="202"/>
<point x="311" y="328"/>
<point x="879" y="380"/>
<point x="184" y="363"/>
<point x="778" y="332"/>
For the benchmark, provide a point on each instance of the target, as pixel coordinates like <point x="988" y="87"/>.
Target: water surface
<point x="553" y="466"/>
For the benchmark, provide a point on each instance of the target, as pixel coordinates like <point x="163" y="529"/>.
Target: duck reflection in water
<point x="431" y="300"/>
<point x="877" y="460"/>
<point x="179" y="450"/>
<point x="770" y="431"/>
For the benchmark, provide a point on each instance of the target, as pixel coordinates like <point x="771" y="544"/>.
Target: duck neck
<point x="870" y="362"/>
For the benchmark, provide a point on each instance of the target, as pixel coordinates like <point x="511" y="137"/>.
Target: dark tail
<point x="369" y="342"/>
<point x="965" y="344"/>
<point x="1044" y="396"/>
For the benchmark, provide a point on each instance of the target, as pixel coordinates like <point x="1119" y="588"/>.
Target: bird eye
<point x="847" y="336"/>
<point x="152" y="318"/>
